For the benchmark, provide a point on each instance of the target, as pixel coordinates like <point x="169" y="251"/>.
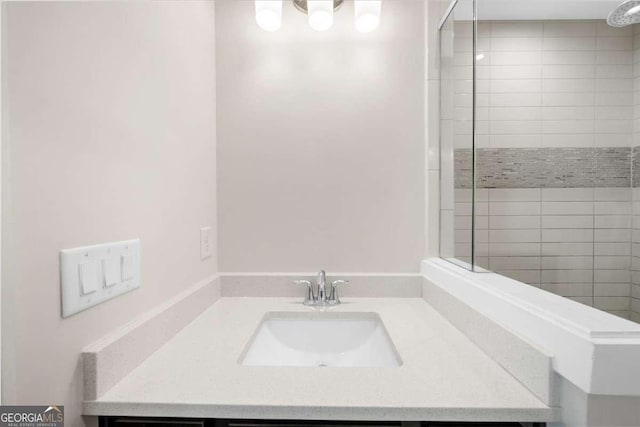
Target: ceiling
<point x="536" y="9"/>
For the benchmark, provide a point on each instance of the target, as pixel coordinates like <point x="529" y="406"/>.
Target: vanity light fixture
<point x="269" y="14"/>
<point x="319" y="13"/>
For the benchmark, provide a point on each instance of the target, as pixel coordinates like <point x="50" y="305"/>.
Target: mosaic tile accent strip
<point x="635" y="167"/>
<point x="612" y="166"/>
<point x="462" y="168"/>
<point x="550" y="167"/>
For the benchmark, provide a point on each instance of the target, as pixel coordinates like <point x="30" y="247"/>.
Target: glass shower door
<point x="538" y="145"/>
<point x="457" y="100"/>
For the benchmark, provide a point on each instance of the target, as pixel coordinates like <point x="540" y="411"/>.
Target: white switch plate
<point x="206" y="242"/>
<point x="110" y="281"/>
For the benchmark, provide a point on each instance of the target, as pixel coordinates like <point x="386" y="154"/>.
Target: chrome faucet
<point x="321" y="279"/>
<point x="321" y="297"/>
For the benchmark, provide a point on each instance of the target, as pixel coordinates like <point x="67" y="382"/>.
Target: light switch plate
<point x="93" y="274"/>
<point x="206" y="243"/>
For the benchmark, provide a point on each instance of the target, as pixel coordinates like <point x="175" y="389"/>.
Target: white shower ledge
<point x="443" y="376"/>
<point x="595" y="350"/>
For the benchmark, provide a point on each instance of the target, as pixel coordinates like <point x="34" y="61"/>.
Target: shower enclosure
<point x="540" y="123"/>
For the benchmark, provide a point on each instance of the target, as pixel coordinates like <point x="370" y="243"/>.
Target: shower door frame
<point x="449" y="11"/>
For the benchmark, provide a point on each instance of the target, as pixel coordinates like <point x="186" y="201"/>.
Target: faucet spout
<point x="321" y="282"/>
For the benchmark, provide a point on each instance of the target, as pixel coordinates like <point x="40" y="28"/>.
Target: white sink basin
<point x="321" y="340"/>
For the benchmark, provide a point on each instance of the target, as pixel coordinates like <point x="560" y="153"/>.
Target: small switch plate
<point x="206" y="243"/>
<point x="93" y="274"/>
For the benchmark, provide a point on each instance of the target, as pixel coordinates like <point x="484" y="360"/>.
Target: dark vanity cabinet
<point x="187" y="422"/>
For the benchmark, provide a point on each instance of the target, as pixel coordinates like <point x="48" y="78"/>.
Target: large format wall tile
<point x="576" y="242"/>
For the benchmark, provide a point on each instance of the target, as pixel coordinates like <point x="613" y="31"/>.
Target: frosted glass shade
<point x="269" y="14"/>
<point x="320" y="13"/>
<point x="367" y="15"/>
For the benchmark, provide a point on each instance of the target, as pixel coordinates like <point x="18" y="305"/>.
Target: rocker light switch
<point x="88" y="277"/>
<point x="128" y="268"/>
<point x="111" y="269"/>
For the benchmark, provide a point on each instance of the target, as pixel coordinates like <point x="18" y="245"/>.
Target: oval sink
<point x="321" y="340"/>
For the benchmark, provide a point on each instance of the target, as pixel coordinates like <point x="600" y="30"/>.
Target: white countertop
<point x="444" y="376"/>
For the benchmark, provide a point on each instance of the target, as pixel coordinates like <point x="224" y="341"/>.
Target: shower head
<point x="627" y="13"/>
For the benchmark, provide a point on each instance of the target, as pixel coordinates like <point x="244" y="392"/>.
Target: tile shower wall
<point x="635" y="236"/>
<point x="555" y="133"/>
<point x="551" y="84"/>
<point x="570" y="241"/>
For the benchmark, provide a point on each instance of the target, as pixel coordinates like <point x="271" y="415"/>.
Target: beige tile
<point x="568" y="72"/>
<point x="612" y="290"/>
<point x="612" y="303"/>
<point x="568" y="57"/>
<point x="569" y="43"/>
<point x="569" y="289"/>
<point x="517" y="29"/>
<point x="569" y="29"/>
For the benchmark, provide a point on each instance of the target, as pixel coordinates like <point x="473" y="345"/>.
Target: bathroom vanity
<point x="381" y="360"/>
<point x="177" y="422"/>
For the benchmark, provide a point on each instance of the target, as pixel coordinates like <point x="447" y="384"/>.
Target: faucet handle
<point x="309" y="298"/>
<point x="333" y="296"/>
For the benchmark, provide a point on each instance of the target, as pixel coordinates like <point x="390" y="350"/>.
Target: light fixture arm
<point x="301" y="5"/>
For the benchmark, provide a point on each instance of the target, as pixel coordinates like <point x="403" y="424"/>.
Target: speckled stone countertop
<point x="444" y="376"/>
